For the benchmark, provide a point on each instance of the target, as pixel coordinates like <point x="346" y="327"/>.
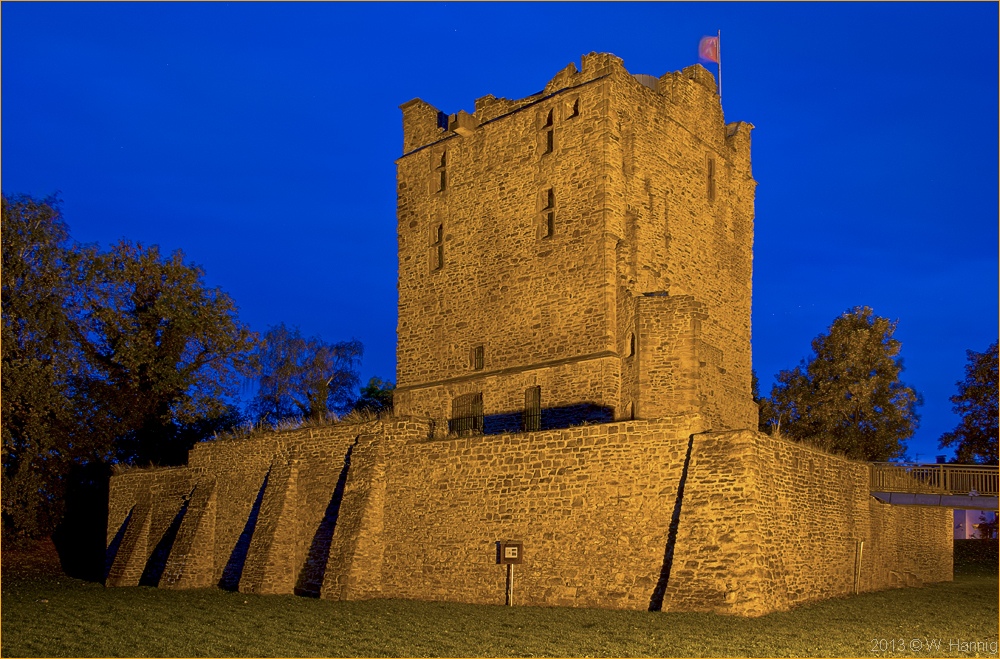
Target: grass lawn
<point x="46" y="615"/>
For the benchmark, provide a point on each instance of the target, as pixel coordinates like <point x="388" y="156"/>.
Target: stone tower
<point x="582" y="254"/>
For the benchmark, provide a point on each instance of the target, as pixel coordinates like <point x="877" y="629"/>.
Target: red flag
<point x="708" y="49"/>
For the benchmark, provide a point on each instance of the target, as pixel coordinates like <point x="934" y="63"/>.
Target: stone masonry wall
<point x="635" y="514"/>
<point x="562" y="385"/>
<point x="529" y="299"/>
<point x="681" y="205"/>
<point x="265" y="507"/>
<point x="592" y="505"/>
<point x="143" y="507"/>
<point x="648" y="191"/>
<point x="767" y="524"/>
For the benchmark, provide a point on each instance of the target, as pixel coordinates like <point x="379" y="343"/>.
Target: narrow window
<point x="477" y="358"/>
<point x="575" y="111"/>
<point x="711" y="179"/>
<point x="549" y="214"/>
<point x="549" y="132"/>
<point x="437" y="248"/>
<point x="532" y="409"/>
<point x="467" y="414"/>
<point x="442" y="171"/>
<point x="631" y="345"/>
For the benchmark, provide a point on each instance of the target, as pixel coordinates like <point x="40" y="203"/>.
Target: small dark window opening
<point x="711" y="179"/>
<point x="477" y="357"/>
<point x="548" y="119"/>
<point x="549" y="227"/>
<point x="631" y="345"/>
<point x="442" y="171"/>
<point x="532" y="409"/>
<point x="549" y="141"/>
<point x="437" y="248"/>
<point x="467" y="414"/>
<point x="575" y="112"/>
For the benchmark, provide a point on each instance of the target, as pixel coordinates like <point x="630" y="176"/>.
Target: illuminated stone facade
<point x="593" y="240"/>
<point x="583" y="254"/>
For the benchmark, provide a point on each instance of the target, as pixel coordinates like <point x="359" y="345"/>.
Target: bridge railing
<point x="934" y="478"/>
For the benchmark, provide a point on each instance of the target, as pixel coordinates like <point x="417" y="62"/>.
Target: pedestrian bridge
<point x="947" y="485"/>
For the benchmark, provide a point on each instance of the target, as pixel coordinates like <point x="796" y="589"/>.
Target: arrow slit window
<point x="711" y="179"/>
<point x="437" y="247"/>
<point x="548" y="214"/>
<point x="441" y="169"/>
<point x="549" y="132"/>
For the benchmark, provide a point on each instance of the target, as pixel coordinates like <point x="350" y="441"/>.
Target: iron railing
<point x="532" y="409"/>
<point x="467" y="414"/>
<point x="981" y="480"/>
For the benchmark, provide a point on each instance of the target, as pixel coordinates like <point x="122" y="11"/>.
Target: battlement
<point x="424" y="124"/>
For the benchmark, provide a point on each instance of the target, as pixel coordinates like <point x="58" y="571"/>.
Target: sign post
<point x="510" y="552"/>
<point x="510" y="584"/>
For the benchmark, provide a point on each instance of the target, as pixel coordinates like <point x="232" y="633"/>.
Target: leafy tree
<point x="376" y="396"/>
<point x="848" y="399"/>
<point x="165" y="351"/>
<point x="116" y="356"/>
<point x="975" y="438"/>
<point x="304" y="378"/>
<point x="987" y="529"/>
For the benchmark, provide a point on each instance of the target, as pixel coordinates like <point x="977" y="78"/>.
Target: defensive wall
<point x="632" y="515"/>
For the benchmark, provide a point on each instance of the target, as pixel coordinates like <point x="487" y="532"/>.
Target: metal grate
<point x="467" y="414"/>
<point x="477" y="358"/>
<point x="532" y="409"/>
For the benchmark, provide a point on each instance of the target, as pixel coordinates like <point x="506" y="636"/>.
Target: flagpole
<point x="720" y="63"/>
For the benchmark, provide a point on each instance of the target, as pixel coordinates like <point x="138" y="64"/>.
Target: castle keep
<point x="573" y="373"/>
<point x="582" y="254"/>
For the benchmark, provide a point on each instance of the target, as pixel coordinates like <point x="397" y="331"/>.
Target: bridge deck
<point x="948" y="485"/>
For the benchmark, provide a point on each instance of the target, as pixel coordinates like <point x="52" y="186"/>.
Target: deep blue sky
<point x="259" y="138"/>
